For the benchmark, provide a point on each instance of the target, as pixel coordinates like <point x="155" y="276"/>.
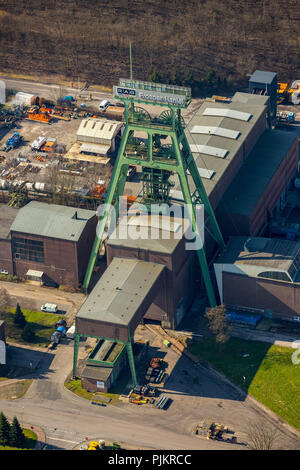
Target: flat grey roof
<point x="7" y="216"/>
<point x="52" y="220"/>
<point x="152" y="238"/>
<point x="246" y="189"/>
<point x="120" y="291"/>
<point x="245" y="103"/>
<point x="261" y="76"/>
<point x="258" y="251"/>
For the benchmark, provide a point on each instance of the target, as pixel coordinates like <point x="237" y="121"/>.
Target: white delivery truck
<point x="50" y="308"/>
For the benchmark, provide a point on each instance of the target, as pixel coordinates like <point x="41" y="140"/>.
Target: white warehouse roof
<point x="98" y="129"/>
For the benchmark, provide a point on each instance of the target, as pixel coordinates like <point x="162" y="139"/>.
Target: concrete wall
<point x="274" y="190"/>
<point x="6" y="256"/>
<point x="60" y="263"/>
<point x="84" y="247"/>
<point x="176" y="283"/>
<point x="283" y="298"/>
<point x="100" y="329"/>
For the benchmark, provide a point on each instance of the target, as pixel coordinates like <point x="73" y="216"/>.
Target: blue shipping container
<point x="245" y="318"/>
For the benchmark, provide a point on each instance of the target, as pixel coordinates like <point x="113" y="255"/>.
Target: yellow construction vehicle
<point x="290" y="94"/>
<point x="93" y="445"/>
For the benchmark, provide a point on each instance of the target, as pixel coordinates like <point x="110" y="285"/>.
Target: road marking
<point x="63" y="440"/>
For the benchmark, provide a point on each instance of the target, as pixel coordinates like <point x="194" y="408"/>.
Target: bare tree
<point x="262" y="436"/>
<point x="218" y="323"/>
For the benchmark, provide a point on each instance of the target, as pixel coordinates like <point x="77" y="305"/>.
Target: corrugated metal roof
<point x="220" y="131"/>
<point x="231" y="113"/>
<point x="258" y="251"/>
<point x="7" y="217"/>
<point x="120" y="292"/>
<point x="98" y="128"/>
<point x="51" y="220"/>
<point x="209" y="150"/>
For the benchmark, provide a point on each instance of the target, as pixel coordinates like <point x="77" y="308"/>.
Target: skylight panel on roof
<point x="208" y="150"/>
<point x="219" y="131"/>
<point x="231" y="113"/>
<point x="204" y="173"/>
<point x="176" y="194"/>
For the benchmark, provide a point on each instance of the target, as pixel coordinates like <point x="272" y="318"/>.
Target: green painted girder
<point x="183" y="161"/>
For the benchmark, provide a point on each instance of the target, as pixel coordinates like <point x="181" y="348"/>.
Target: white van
<point x="103" y="105"/>
<point x="50" y="308"/>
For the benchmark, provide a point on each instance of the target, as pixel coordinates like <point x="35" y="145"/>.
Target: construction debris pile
<point x="215" y="431"/>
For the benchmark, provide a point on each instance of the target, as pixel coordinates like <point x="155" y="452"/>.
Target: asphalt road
<point x="67" y="419"/>
<point x="197" y="394"/>
<point x="48" y="91"/>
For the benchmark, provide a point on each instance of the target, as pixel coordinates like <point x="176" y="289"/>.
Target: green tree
<point x="155" y="76"/>
<point x="4" y="430"/>
<point x="211" y="78"/>
<point x="188" y="78"/>
<point x="175" y="78"/>
<point x="16" y="436"/>
<point x="19" y="318"/>
<point x="28" y="334"/>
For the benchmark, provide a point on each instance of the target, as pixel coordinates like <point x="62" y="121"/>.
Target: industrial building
<point x="229" y="159"/>
<point x="162" y="242"/>
<point x="98" y="136"/>
<point x="265" y="273"/>
<point x="7" y="216"/>
<point x="221" y="137"/>
<point x="47" y="242"/>
<point x="105" y="363"/>
<point x="258" y="192"/>
<point x="246" y="168"/>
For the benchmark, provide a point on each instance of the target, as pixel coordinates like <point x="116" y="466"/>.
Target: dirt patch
<point x="14" y="390"/>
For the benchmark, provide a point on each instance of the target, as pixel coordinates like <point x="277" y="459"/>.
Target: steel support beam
<point x="183" y="161"/>
<point x="75" y="355"/>
<point x="131" y="362"/>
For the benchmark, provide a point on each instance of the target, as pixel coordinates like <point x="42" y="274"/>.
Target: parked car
<point x="3" y="271"/>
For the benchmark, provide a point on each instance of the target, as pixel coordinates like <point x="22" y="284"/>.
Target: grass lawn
<point x="30" y="441"/>
<point x="42" y="323"/>
<point x="75" y="387"/>
<point x="267" y="374"/>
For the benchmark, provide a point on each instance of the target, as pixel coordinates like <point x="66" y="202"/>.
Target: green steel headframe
<point x="175" y="159"/>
